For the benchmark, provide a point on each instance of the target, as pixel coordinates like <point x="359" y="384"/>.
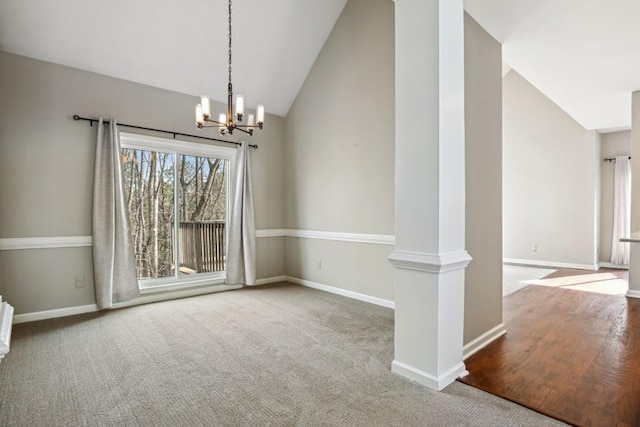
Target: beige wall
<point x="551" y="168"/>
<point x="613" y="144"/>
<point x="46" y="172"/>
<point x="483" y="180"/>
<point x="340" y="152"/>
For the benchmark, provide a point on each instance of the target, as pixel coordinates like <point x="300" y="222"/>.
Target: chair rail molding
<point x="376" y="239"/>
<point x="19" y="243"/>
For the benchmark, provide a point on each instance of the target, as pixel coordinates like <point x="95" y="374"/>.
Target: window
<point x="176" y="193"/>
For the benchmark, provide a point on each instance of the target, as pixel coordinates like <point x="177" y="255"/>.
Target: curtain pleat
<point x="241" y="252"/>
<point x="114" y="268"/>
<point x="621" y="211"/>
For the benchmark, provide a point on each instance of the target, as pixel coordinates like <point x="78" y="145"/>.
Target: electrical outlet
<point x="534" y="248"/>
<point x="319" y="265"/>
<point x="80" y="282"/>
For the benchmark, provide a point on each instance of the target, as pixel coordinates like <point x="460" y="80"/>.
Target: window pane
<point x="148" y="182"/>
<point x="202" y="207"/>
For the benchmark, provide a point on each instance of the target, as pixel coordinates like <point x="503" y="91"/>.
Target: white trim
<point x="431" y="263"/>
<point x="426" y="379"/>
<point x="633" y="294"/>
<point x="50" y="314"/>
<point x="17" y="243"/>
<point x="155" y="297"/>
<point x="8" y="244"/>
<point x="158" y="294"/>
<point x="6" y="322"/>
<point x="483" y="340"/>
<point x="275" y="232"/>
<point x="536" y="263"/>
<point x="343" y="292"/>
<point x="269" y="280"/>
<point x="376" y="239"/>
<point x="616" y="266"/>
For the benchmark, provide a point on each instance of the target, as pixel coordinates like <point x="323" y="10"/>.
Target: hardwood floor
<point x="568" y="354"/>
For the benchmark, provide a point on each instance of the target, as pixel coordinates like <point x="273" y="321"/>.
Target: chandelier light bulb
<point x="239" y="107"/>
<point x="199" y="118"/>
<point x="206" y="107"/>
<point x="260" y="114"/>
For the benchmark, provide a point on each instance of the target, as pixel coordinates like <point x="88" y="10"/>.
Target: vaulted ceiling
<point x="582" y="54"/>
<point x="178" y="45"/>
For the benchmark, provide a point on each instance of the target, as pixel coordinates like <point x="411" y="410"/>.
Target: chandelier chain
<point x="229" y="42"/>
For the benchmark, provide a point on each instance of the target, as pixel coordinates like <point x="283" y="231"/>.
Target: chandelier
<point x="226" y="123"/>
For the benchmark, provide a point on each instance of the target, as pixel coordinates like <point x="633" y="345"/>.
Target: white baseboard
<point x="552" y="264"/>
<point x="616" y="266"/>
<point x="144" y="299"/>
<point x="201" y="290"/>
<point x="426" y="379"/>
<point x="51" y="314"/>
<point x="343" y="292"/>
<point x="633" y="294"/>
<point x="270" y="280"/>
<point x="483" y="340"/>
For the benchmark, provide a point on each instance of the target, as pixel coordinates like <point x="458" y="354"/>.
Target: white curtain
<point x="621" y="211"/>
<point x="113" y="256"/>
<point x="241" y="252"/>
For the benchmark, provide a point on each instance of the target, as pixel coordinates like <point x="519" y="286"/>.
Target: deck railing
<point x="202" y="246"/>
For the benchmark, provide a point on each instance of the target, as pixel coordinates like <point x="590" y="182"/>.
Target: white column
<point x="429" y="257"/>
<point x="6" y="321"/>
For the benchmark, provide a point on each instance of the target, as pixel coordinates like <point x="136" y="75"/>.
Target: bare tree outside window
<point x="151" y="181"/>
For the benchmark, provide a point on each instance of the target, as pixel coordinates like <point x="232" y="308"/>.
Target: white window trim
<point x="177" y="147"/>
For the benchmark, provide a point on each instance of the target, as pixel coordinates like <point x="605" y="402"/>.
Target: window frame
<point x="177" y="147"/>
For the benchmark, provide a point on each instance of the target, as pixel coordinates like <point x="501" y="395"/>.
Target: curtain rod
<point x="612" y="159"/>
<point x="91" y="121"/>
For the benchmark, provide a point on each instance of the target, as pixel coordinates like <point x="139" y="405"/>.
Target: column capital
<point x="431" y="263"/>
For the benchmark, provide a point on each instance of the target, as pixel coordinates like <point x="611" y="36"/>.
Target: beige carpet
<point x="276" y="355"/>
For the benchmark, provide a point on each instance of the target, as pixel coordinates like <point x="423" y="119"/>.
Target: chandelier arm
<point x="215" y="121"/>
<point x="243" y="130"/>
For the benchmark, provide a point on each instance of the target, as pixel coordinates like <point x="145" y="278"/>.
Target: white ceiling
<point x="583" y="54"/>
<point x="178" y="45"/>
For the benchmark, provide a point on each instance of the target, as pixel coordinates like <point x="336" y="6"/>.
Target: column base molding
<point x="633" y="294"/>
<point x="430" y="263"/>
<point x="425" y="378"/>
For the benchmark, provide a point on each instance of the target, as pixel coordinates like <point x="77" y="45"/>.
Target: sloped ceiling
<point x="582" y="54"/>
<point x="178" y="45"/>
